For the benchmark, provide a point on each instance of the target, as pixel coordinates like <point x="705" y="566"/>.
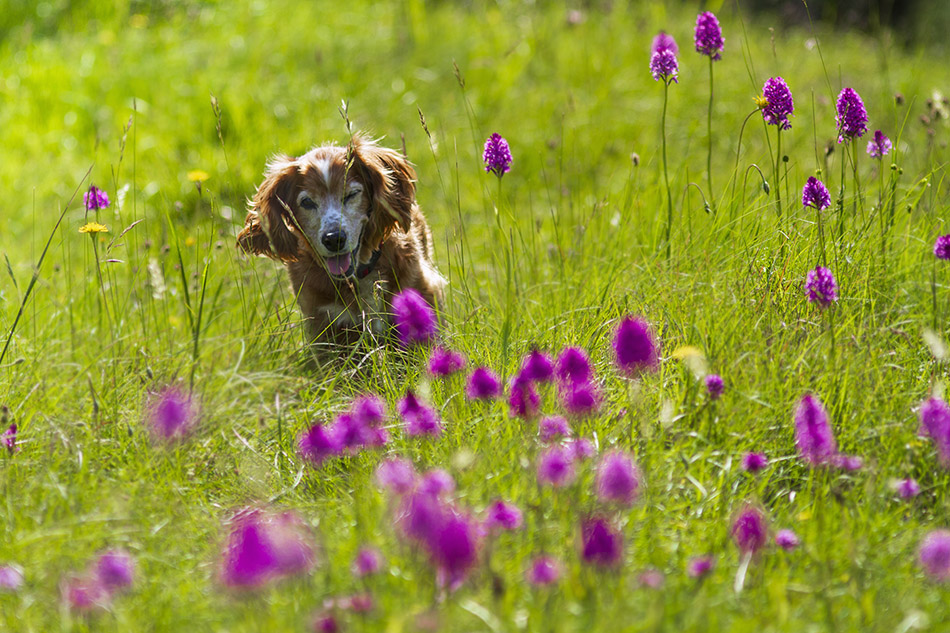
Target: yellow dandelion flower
<point x="190" y="241"/>
<point x="760" y="101"/>
<point x="93" y="227"/>
<point x="197" y="175"/>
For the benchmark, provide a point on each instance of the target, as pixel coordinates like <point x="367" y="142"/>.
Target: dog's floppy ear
<point x="391" y="179"/>
<point x="266" y="230"/>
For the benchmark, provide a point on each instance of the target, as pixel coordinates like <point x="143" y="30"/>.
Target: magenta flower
<point x="573" y="365"/>
<point x="172" y="415"/>
<point x="935" y="424"/>
<point x="436" y="482"/>
<point x="556" y="466"/>
<point x="552" y="428"/>
<point x="935" y="554"/>
<point x="664" y="67"/>
<point x="325" y="623"/>
<point x="444" y="362"/>
<point x="749" y="530"/>
<point x="635" y="347"/>
<point x="880" y="146"/>
<point x="908" y="488"/>
<point x="754" y="462"/>
<point x="9" y="439"/>
<point x="820" y="287"/>
<point x="714" y="386"/>
<point x="600" y="544"/>
<point x="815" y="194"/>
<point x="84" y="593"/>
<point x="618" y="479"/>
<point x="580" y="398"/>
<point x="700" y="566"/>
<point x="544" y="570"/>
<point x="651" y="579"/>
<point x="420" y="516"/>
<point x="351" y="433"/>
<point x="95" y="199"/>
<point x="419" y="419"/>
<point x="778" y="103"/>
<point x="115" y="570"/>
<point x="319" y="444"/>
<point x="813" y="436"/>
<point x="367" y="562"/>
<point x="851" y="117"/>
<point x="497" y="155"/>
<point x="369" y="410"/>
<point x="454" y="549"/>
<point x="581" y="449"/>
<point x="396" y="474"/>
<point x="708" y="36"/>
<point x="262" y="548"/>
<point x="942" y="247"/>
<point x="414" y="318"/>
<point x="483" y="384"/>
<point x="664" y="42"/>
<point x="537" y="367"/>
<point x="786" y="539"/>
<point x="523" y="398"/>
<point x="503" y="516"/>
<point x="11" y="577"/>
<point x="847" y="462"/>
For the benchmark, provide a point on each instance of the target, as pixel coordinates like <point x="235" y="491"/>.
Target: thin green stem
<point x="709" y="132"/>
<point x="880" y="213"/>
<point x="666" y="176"/>
<point x="840" y="202"/>
<point x="735" y="171"/>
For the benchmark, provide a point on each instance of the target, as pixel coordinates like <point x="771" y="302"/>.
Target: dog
<point x="345" y="223"/>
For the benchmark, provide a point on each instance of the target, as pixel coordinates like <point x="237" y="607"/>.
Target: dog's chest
<point x="364" y="307"/>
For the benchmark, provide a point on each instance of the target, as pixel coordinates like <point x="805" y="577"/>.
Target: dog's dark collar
<point x="365" y="269"/>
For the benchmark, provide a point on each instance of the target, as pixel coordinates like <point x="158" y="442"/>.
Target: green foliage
<point x="571" y="240"/>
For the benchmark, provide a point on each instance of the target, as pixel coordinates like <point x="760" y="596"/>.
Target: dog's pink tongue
<point x="338" y="264"/>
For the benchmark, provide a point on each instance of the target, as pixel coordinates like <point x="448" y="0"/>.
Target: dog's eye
<point x="351" y="196"/>
<point x="308" y="204"/>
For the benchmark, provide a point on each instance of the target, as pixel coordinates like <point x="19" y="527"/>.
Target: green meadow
<point x="173" y="108"/>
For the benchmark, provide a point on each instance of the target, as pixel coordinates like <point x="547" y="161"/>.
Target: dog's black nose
<point x="335" y="240"/>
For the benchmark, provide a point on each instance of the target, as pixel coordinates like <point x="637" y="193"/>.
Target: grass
<point x="146" y="96"/>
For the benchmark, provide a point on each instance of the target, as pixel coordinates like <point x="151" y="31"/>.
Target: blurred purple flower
<point x="820" y="286"/>
<point x="786" y="539"/>
<point x="523" y="398"/>
<point x="504" y="516"/>
<point x="444" y="362"/>
<point x="651" y="579"/>
<point x="581" y="449"/>
<point x="908" y="488"/>
<point x="11" y="578"/>
<point x="350" y="432"/>
<point x="580" y="398"/>
<point x="942" y="247"/>
<point x="754" y="462"/>
<point x="367" y="562"/>
<point x="325" y="623"/>
<point x="319" y="444"/>
<point x="172" y="415"/>
<point x="454" y="549"/>
<point x="935" y="554"/>
<point x="664" y="42"/>
<point x="880" y="146"/>
<point x="663" y="66"/>
<point x="600" y="544"/>
<point x="749" y="530"/>
<point x="544" y="570"/>
<point x="700" y="566"/>
<point x="813" y="436"/>
<point x="262" y="548"/>
<point x="497" y="155"/>
<point x="635" y="347"/>
<point x="84" y="593"/>
<point x="851" y="117"/>
<point x="537" y="367"/>
<point x="95" y="199"/>
<point x="9" y="439"/>
<point x="419" y="418"/>
<point x="778" y="103"/>
<point x="815" y="194"/>
<point x="708" y="36"/>
<point x="483" y="384"/>
<point x="420" y="516"/>
<point x="618" y="479"/>
<point x="935" y="424"/>
<point x="573" y="365"/>
<point x="847" y="462"/>
<point x="556" y="466"/>
<point x="369" y="410"/>
<point x="436" y="482"/>
<point x="552" y="428"/>
<point x="414" y="318"/>
<point x="115" y="570"/>
<point x="396" y="474"/>
<point x="714" y="386"/>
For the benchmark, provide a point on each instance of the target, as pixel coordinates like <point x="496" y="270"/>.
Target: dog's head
<point x="337" y="203"/>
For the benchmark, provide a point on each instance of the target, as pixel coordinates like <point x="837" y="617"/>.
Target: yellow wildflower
<point x="760" y="101"/>
<point x="93" y="227"/>
<point x="197" y="175"/>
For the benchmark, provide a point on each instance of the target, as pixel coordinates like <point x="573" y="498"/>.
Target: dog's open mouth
<point x="343" y="265"/>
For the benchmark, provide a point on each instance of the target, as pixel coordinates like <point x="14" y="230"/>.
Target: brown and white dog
<point x="345" y="222"/>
